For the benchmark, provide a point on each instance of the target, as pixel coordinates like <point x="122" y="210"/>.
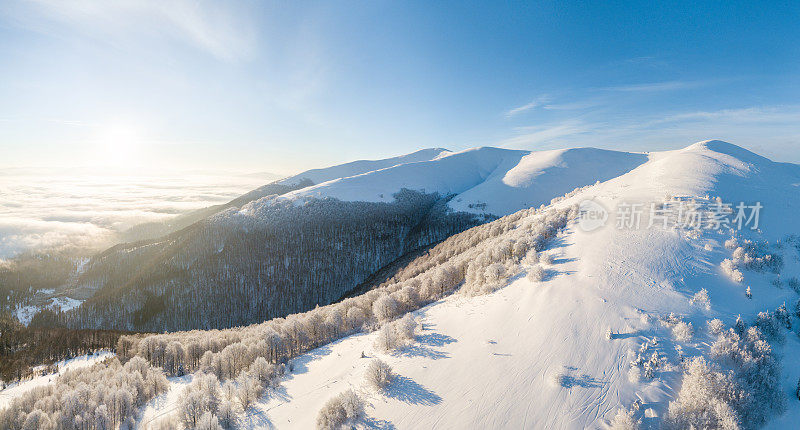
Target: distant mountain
<point x="152" y="230"/>
<point x="310" y="239"/>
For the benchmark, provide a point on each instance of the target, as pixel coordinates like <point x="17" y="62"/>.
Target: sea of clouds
<point x="74" y="211"/>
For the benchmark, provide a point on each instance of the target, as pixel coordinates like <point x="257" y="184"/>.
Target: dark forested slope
<point x="270" y="258"/>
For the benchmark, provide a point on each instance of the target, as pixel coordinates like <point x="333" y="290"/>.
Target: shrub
<point x="378" y="375"/>
<point x="345" y="408"/>
<point x="683" y="331"/>
<point x="715" y="326"/>
<point x="536" y="273"/>
<point x="625" y="420"/>
<point x="701" y="298"/>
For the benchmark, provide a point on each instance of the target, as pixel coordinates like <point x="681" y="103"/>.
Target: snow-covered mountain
<point x="483" y="180"/>
<point x="664" y="295"/>
<point x="253" y="255"/>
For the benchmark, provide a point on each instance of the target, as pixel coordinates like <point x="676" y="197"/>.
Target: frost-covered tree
<point x="385" y="308"/>
<point x="226" y="414"/>
<point x="378" y="375"/>
<point x="249" y="389"/>
<point x="345" y="408"/>
<point x="715" y="326"/>
<point x="702" y="298"/>
<point x="105" y="395"/>
<point x="625" y="420"/>
<point x="496" y="272"/>
<point x="706" y="399"/>
<point x="208" y="422"/>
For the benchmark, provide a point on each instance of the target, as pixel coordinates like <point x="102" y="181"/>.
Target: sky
<point x="277" y="86"/>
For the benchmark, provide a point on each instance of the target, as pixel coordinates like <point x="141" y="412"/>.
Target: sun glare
<point x="119" y="144"/>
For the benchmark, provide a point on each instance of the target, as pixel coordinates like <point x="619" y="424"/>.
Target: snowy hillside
<point x="666" y="295"/>
<point x="536" y="354"/>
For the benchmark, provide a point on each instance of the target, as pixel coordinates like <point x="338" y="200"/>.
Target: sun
<point x="118" y="144"/>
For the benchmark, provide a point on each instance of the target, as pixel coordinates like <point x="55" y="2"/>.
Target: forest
<point x="23" y="348"/>
<point x="22" y="276"/>
<point x="271" y="258"/>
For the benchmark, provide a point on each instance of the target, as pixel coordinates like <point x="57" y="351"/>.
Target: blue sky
<point x="283" y="86"/>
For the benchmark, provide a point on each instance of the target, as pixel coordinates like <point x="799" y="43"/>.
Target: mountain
<point x="581" y="313"/>
<point x="292" y="245"/>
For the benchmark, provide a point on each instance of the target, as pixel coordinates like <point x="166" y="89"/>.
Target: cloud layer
<point x="70" y="212"/>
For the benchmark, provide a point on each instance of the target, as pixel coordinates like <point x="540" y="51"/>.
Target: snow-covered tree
<point x="378" y="375"/>
<point x="345" y="408"/>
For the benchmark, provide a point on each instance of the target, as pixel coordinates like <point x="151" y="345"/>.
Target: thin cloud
<point x="539" y="101"/>
<point x="657" y="86"/>
<point x="753" y="115"/>
<point x="538" y="135"/>
<point x="575" y="105"/>
<point x="218" y="28"/>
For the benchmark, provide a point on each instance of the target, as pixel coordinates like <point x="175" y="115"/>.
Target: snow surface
<point x="17" y="389"/>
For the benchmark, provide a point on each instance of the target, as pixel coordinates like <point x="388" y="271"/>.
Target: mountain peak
<point x="727" y="148"/>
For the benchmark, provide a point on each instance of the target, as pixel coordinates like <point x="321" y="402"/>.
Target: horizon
<point x="269" y="176"/>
